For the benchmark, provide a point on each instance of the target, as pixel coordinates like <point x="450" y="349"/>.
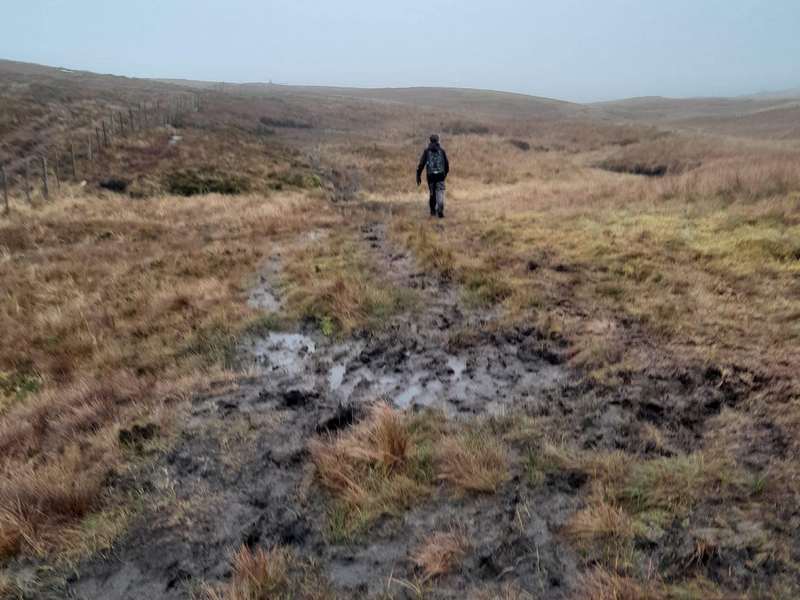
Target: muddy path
<point x="240" y="472"/>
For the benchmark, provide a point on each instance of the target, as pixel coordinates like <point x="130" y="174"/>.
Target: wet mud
<point x="240" y="471"/>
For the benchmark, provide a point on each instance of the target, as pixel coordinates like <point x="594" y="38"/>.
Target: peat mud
<point x="240" y="471"/>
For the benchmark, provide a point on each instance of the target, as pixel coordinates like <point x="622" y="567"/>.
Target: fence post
<point x="89" y="149"/>
<point x="105" y="134"/>
<point x="45" y="186"/>
<point x="56" y="166"/>
<point x="27" y="181"/>
<point x="5" y="189"/>
<point x="72" y="159"/>
<point x="97" y="135"/>
<point x="133" y="123"/>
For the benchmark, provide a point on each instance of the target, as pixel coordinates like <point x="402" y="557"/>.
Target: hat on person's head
<point x="434" y="138"/>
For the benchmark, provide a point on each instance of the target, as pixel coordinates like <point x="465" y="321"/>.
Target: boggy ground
<point x="241" y="474"/>
<point x="609" y="356"/>
<point x="248" y="469"/>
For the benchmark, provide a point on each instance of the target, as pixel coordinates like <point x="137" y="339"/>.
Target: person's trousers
<point x="436" y="201"/>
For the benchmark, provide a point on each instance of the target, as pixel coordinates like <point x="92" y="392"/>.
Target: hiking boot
<point x="440" y="215"/>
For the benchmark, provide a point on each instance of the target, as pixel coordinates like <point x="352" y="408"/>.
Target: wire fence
<point x="67" y="161"/>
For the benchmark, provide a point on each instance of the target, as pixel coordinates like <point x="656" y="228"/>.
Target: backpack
<point x="435" y="162"/>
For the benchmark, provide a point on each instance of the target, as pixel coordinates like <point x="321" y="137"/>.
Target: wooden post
<point x="5" y="189"/>
<point x="28" y="181"/>
<point x="121" y="124"/>
<point x="89" y="149"/>
<point x="132" y="122"/>
<point x="56" y="167"/>
<point x="45" y="186"/>
<point x="97" y="135"/>
<point x="105" y="133"/>
<point x="72" y="158"/>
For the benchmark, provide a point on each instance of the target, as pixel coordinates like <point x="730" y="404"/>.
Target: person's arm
<point x="446" y="163"/>
<point x="422" y="162"/>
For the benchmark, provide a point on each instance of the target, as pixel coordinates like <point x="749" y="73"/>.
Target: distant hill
<point x="776" y="123"/>
<point x="774" y="115"/>
<point x="768" y="114"/>
<point x="777" y="95"/>
<point x="482" y="102"/>
<point x="656" y="108"/>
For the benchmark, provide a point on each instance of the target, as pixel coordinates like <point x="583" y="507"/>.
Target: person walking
<point x="434" y="161"/>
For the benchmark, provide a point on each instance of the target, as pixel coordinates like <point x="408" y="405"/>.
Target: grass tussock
<point x="440" y="553"/>
<point x="605" y="531"/>
<point x="476" y="461"/>
<point x="390" y="460"/>
<point x="600" y="584"/>
<point x="256" y="575"/>
<point x="377" y="466"/>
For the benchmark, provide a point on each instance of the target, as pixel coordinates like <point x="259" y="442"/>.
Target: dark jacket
<point x="423" y="161"/>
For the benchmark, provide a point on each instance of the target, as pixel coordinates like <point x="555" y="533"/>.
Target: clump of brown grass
<point x="602" y="521"/>
<point x="382" y="439"/>
<point x="600" y="584"/>
<point x="36" y="499"/>
<point x="257" y="575"/>
<point x="440" y="553"/>
<point x="475" y="461"/>
<point x="389" y="460"/>
<point x="373" y="467"/>
<point x="603" y="529"/>
<point x="385" y="439"/>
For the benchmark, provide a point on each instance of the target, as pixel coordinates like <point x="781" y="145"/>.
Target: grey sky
<point x="569" y="49"/>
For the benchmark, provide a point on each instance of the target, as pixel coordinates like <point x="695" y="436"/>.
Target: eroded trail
<point x="240" y="472"/>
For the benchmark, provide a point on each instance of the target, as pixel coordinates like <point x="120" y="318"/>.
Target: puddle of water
<point x="405" y="398"/>
<point x="457" y="365"/>
<point x="286" y="351"/>
<point x="336" y="376"/>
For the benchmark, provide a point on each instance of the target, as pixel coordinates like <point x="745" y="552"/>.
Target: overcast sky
<point x="580" y="50"/>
